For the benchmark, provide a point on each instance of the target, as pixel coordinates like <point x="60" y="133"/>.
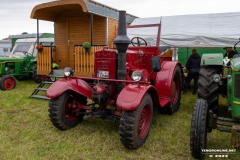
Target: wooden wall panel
<point x="112" y="31"/>
<point x="61" y="42"/>
<point x="73" y="27"/>
<point x="78" y="32"/>
<point x="99" y="30"/>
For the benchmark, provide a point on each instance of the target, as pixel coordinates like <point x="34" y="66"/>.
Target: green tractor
<point x="20" y="67"/>
<point x="21" y="64"/>
<point x="217" y="76"/>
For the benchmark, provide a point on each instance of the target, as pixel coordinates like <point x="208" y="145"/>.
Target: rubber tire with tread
<point x="57" y="111"/>
<point x="3" y="79"/>
<point x="198" y="133"/>
<point x="174" y="107"/>
<point x="129" y="123"/>
<point x="207" y="88"/>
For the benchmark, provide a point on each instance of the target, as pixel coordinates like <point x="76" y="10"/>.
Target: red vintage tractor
<point x="129" y="82"/>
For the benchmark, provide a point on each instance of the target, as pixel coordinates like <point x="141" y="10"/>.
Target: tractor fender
<point x="164" y="78"/>
<point x="131" y="96"/>
<point x="77" y="85"/>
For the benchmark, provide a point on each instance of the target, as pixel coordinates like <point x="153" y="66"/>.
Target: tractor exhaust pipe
<point x="122" y="41"/>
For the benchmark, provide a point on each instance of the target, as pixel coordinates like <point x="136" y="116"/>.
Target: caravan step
<point x="55" y="76"/>
<point x="41" y="97"/>
<point x="41" y="89"/>
<point x="49" y="79"/>
<point x="47" y="82"/>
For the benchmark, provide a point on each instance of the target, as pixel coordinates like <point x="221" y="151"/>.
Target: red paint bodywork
<point x="131" y="96"/>
<point x="141" y="58"/>
<point x="157" y="84"/>
<point x="105" y="60"/>
<point x="99" y="88"/>
<point x="75" y="84"/>
<point x="164" y="80"/>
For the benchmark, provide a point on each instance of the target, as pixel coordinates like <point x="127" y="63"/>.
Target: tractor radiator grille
<point x="237" y="86"/>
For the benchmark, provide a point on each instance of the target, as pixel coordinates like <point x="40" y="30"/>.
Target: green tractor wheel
<point x="7" y="82"/>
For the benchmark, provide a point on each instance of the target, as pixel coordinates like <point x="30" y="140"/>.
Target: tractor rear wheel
<point x="207" y="88"/>
<point x="198" y="133"/>
<point x="175" y="91"/>
<point x="62" y="111"/>
<point x="7" y="82"/>
<point x="135" y="125"/>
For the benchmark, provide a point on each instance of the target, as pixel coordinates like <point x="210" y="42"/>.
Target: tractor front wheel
<point x="7" y="82"/>
<point x="198" y="133"/>
<point x="62" y="111"/>
<point x="135" y="125"/>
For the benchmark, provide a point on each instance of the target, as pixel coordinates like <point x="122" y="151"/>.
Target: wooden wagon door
<point x="71" y="28"/>
<point x="61" y="39"/>
<point x="78" y="32"/>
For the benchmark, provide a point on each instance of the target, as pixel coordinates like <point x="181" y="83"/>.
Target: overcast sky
<point x="15" y="14"/>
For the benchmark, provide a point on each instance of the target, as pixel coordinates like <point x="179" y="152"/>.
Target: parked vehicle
<point x="218" y="76"/>
<point x="5" y="48"/>
<point x="21" y="63"/>
<point x="28" y="46"/>
<point x="130" y="82"/>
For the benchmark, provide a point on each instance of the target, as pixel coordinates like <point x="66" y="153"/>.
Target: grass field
<point x="27" y="133"/>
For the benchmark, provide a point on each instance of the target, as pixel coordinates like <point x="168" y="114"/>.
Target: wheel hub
<point x="9" y="83"/>
<point x="144" y="121"/>
<point x="70" y="113"/>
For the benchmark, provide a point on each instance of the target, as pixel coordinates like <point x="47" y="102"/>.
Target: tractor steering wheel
<point x="236" y="45"/>
<point x="238" y="54"/>
<point x="138" y="41"/>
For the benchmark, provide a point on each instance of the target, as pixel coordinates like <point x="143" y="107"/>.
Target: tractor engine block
<point x="100" y="94"/>
<point x="105" y="64"/>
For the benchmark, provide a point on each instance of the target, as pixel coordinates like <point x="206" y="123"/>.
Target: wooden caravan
<point x="75" y="22"/>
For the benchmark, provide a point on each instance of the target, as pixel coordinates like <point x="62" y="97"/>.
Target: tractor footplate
<point x="224" y="126"/>
<point x="236" y="136"/>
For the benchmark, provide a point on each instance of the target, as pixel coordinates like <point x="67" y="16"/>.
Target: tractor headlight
<point x="216" y="78"/>
<point x="68" y="72"/>
<point x="137" y="75"/>
<point x="7" y="69"/>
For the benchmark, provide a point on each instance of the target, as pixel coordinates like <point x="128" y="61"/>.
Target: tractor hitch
<point x="236" y="137"/>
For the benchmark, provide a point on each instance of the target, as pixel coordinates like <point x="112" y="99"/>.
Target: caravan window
<point x="22" y="48"/>
<point x="5" y="50"/>
<point x="46" y="43"/>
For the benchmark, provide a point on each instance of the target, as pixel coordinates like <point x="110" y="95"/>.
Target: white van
<point x="27" y="46"/>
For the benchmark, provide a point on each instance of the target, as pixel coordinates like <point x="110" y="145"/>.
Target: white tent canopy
<point x="203" y="30"/>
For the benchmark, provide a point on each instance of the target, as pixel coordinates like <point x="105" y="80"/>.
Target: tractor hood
<point x="12" y="58"/>
<point x="235" y="64"/>
<point x="212" y="59"/>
